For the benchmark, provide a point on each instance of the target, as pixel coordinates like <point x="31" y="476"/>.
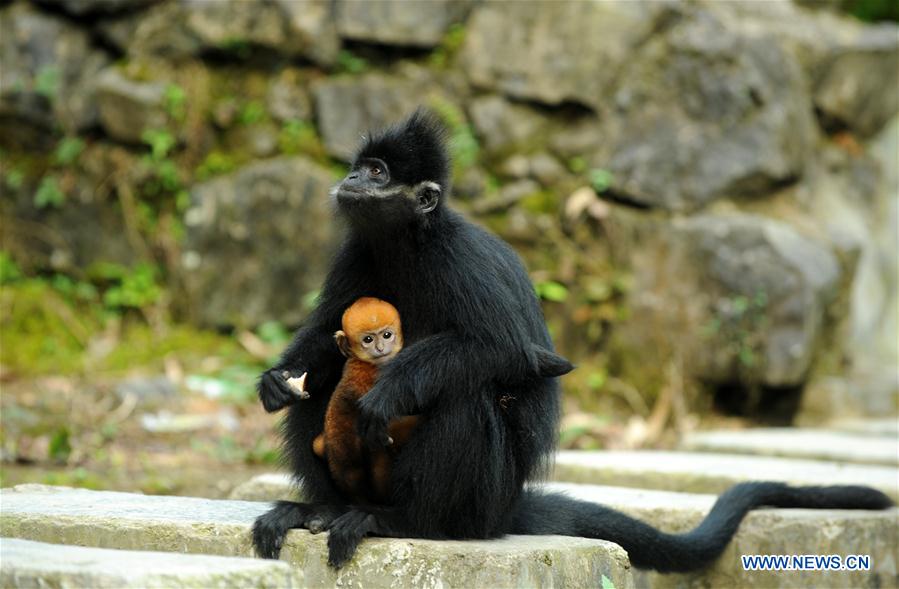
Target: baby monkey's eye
<point x="368" y="339"/>
<point x="375" y="171"/>
<point x="388" y="335"/>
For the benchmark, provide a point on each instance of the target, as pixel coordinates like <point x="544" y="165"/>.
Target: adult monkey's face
<point x="398" y="177"/>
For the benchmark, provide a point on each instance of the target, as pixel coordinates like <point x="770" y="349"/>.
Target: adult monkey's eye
<point x="388" y="335"/>
<point x="368" y="339"/>
<point x="375" y="171"/>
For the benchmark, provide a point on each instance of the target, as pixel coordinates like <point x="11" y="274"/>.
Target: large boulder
<point x="88" y="227"/>
<point x="418" y="24"/>
<point x="852" y="67"/>
<point x="509" y="47"/>
<point x="504" y="126"/>
<point x="853" y="201"/>
<point x="49" y="72"/>
<point x="80" y="8"/>
<point x="195" y="27"/>
<point x="258" y="241"/>
<point x="350" y="107"/>
<point x="705" y="112"/>
<point x="129" y="107"/>
<point x="741" y="298"/>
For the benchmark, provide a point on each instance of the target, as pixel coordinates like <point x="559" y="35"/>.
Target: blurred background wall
<point x="705" y="194"/>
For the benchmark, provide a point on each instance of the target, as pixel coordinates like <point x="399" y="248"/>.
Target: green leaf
<point x="15" y="179"/>
<point x="9" y="270"/>
<point x="68" y="150"/>
<point x="175" y="101"/>
<point x="160" y="141"/>
<point x="310" y="299"/>
<point x="46" y="82"/>
<point x="351" y="63"/>
<point x="551" y="291"/>
<point x="597" y="379"/>
<point x="600" y="179"/>
<point x="607" y="583"/>
<point x="272" y="332"/>
<point x="252" y="112"/>
<point x="60" y="446"/>
<point x="48" y="193"/>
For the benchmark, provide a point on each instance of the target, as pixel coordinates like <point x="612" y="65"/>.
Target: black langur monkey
<point x="472" y="326"/>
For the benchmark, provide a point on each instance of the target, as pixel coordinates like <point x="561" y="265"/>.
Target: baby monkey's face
<point x="378" y="346"/>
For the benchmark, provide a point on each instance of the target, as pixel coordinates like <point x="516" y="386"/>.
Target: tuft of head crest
<point x="414" y="149"/>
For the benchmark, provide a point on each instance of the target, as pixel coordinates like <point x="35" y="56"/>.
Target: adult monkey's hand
<point x="276" y="391"/>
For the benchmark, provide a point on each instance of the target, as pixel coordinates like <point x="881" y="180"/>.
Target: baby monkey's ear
<point x="343" y="343"/>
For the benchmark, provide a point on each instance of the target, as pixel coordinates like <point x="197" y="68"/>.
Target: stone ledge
<point x="885" y="426"/>
<point x="766" y="531"/>
<point x="266" y="487"/>
<point x="204" y="526"/>
<point x="697" y="472"/>
<point x="816" y="444"/>
<point x="36" y="564"/>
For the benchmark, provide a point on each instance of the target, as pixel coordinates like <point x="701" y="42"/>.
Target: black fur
<point x="474" y="330"/>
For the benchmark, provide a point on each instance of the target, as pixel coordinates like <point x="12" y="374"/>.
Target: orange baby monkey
<point x="371" y="336"/>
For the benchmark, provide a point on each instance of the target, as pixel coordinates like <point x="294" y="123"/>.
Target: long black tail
<point x="648" y="548"/>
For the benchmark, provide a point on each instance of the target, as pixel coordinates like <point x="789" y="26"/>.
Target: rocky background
<point x="705" y="192"/>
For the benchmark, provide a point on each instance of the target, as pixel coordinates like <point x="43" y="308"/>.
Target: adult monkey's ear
<point x="428" y="196"/>
<point x="343" y="343"/>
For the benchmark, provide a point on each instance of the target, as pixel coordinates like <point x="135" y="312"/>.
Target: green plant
<point x="46" y="81"/>
<point x="252" y="112"/>
<point x="873" y="10"/>
<point x="463" y="144"/>
<point x="175" y="101"/>
<point x="350" y="63"/>
<point x="577" y="165"/>
<point x="738" y="323"/>
<point x="165" y="175"/>
<point x="215" y="163"/>
<point x="68" y="150"/>
<point x="60" y="445"/>
<point x="161" y="142"/>
<point x="136" y="288"/>
<point x="449" y="46"/>
<point x="273" y="332"/>
<point x="600" y="180"/>
<point x="549" y="290"/>
<point x="48" y="193"/>
<point x="14" y="179"/>
<point x="9" y="270"/>
<point x="297" y="136"/>
<point x="310" y="299"/>
<point x="236" y="46"/>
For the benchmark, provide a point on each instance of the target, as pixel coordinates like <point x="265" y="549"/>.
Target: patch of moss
<point x="543" y="201"/>
<point x="40" y="332"/>
<point x="141" y="345"/>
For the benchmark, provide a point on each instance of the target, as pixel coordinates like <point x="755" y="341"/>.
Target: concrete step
<point x="37" y="564"/>
<point x="796" y="531"/>
<point x="764" y="531"/>
<point x="205" y="526"/>
<point x="697" y="472"/>
<point x="273" y="486"/>
<point x="887" y="426"/>
<point x="817" y="444"/>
